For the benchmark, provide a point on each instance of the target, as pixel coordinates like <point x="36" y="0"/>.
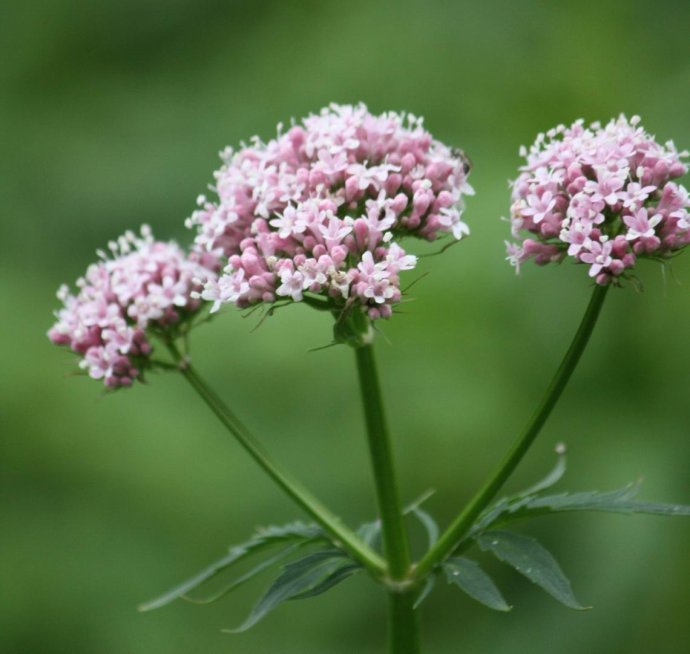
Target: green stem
<point x="403" y="624"/>
<point x="395" y="542"/>
<point x="347" y="539"/>
<point x="450" y="539"/>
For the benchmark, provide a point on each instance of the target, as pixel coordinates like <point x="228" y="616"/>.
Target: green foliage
<point x="469" y="577"/>
<point x="301" y="578"/>
<point x="295" y="532"/>
<point x="326" y="565"/>
<point x="525" y="554"/>
<point x="428" y="523"/>
<point x="533" y="560"/>
<point x="308" y="576"/>
<point x="529" y="503"/>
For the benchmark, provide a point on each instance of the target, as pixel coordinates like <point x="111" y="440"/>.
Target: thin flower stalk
<point x="403" y="626"/>
<point x="344" y="537"/>
<point x="451" y="538"/>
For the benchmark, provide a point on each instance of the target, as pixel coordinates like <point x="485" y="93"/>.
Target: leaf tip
<point x="145" y="607"/>
<point x="584" y="608"/>
<point x="233" y="632"/>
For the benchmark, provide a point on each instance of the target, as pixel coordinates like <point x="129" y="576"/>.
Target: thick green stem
<point x="359" y="550"/>
<point x="460" y="526"/>
<point x="403" y="624"/>
<point x="395" y="541"/>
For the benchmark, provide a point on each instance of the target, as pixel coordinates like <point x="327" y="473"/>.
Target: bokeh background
<point x="111" y="115"/>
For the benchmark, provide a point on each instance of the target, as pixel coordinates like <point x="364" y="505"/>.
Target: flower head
<point x="602" y="195"/>
<point x="319" y="210"/>
<point x="145" y="286"/>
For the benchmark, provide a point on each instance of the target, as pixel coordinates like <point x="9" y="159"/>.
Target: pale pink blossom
<point x="597" y="254"/>
<point x="602" y="195"/>
<point x="144" y="287"/>
<point x="320" y="210"/>
<point x="292" y="283"/>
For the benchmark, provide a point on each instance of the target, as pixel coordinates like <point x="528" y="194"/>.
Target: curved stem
<point x="463" y="522"/>
<point x="395" y="541"/>
<point x="359" y="550"/>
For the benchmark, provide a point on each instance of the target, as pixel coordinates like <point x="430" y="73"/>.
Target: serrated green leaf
<point x="470" y="578"/>
<point x="297" y="578"/>
<point x="531" y="559"/>
<point x="619" y="501"/>
<point x="428" y="523"/>
<point x="264" y="538"/>
<point x="288" y="531"/>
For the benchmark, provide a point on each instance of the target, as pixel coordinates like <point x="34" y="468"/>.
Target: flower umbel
<point x="144" y="288"/>
<point x="320" y="209"/>
<point x="602" y="195"/>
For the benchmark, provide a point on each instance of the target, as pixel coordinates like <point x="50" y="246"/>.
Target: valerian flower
<point x="143" y="289"/>
<point x="319" y="210"/>
<point x="602" y="195"/>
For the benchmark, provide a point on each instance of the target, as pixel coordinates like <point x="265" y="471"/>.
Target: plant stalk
<point x="346" y="538"/>
<point x="458" y="529"/>
<point x="395" y="541"/>
<point x="403" y="619"/>
<point x="403" y="624"/>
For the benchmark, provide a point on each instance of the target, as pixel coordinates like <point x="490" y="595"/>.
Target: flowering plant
<point x="602" y="195"/>
<point x="146" y="289"/>
<point x="316" y="216"/>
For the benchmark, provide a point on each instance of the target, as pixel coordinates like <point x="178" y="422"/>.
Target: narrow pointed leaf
<point x="263" y="539"/>
<point x="235" y="555"/>
<point x="511" y="504"/>
<point x="297" y="577"/>
<point x="242" y="579"/>
<point x="333" y="579"/>
<point x="469" y="577"/>
<point x="370" y="532"/>
<point x="426" y="591"/>
<point x="429" y="524"/>
<point x="552" y="478"/>
<point x="533" y="560"/>
<point x="620" y="501"/>
<point x="616" y="501"/>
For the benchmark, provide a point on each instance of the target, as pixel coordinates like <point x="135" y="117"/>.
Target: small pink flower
<point x="598" y="254"/>
<point x="640" y="225"/>
<point x="343" y="184"/>
<point x="292" y="283"/>
<point x="582" y="186"/>
<point x="145" y="284"/>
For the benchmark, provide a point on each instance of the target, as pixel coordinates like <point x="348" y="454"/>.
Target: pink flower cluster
<point x="319" y="209"/>
<point x="146" y="286"/>
<point x="602" y="195"/>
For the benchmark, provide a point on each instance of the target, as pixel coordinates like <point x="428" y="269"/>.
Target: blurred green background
<point x="112" y="114"/>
